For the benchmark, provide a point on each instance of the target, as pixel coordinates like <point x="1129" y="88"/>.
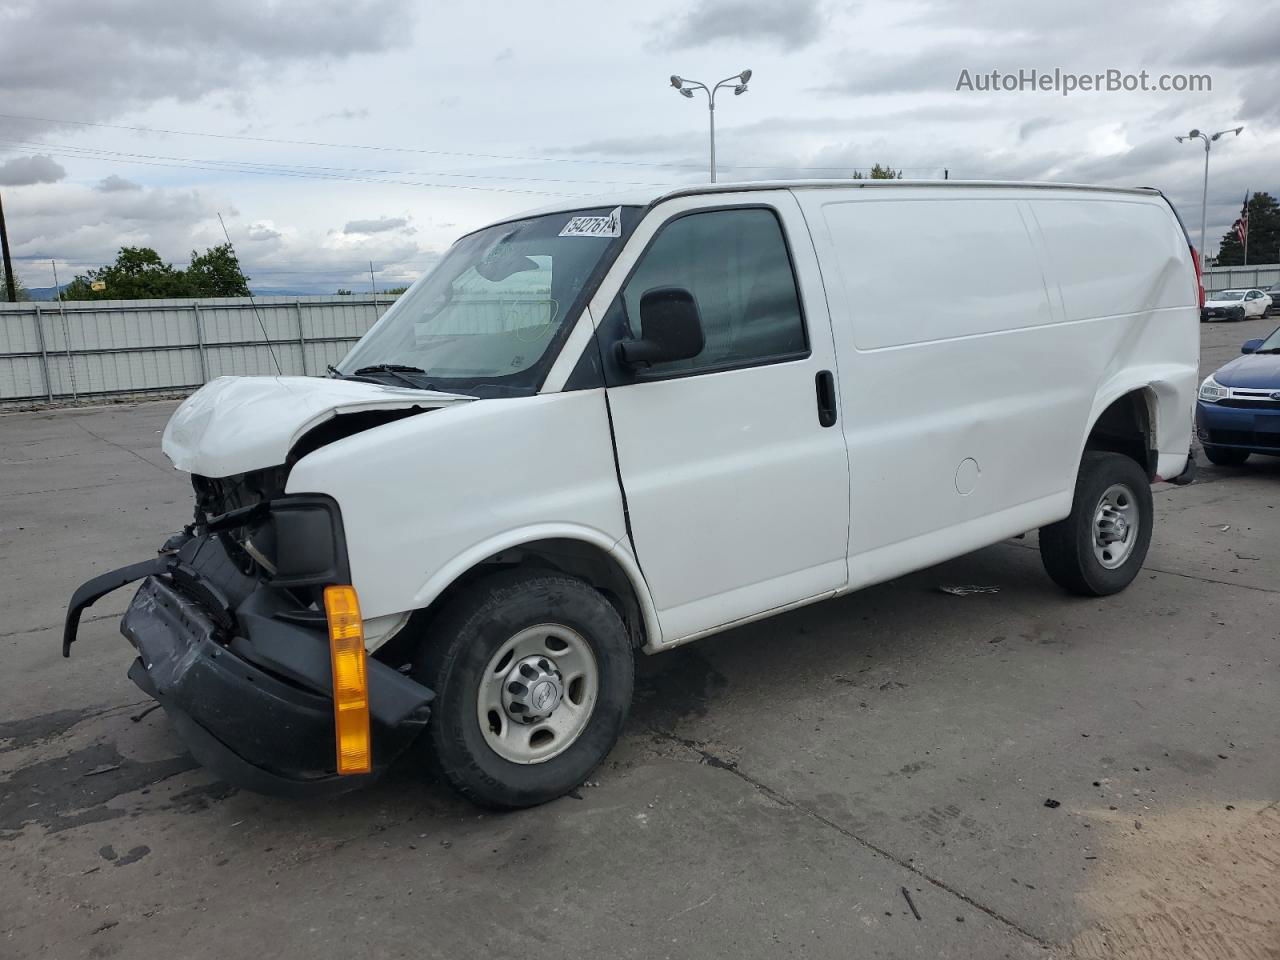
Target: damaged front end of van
<point x="245" y="623"/>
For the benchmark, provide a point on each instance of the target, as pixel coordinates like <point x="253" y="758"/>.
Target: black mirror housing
<point x="670" y="328"/>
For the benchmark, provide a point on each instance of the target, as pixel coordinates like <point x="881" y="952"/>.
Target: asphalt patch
<point x="23" y="733"/>
<point x="201" y="797"/>
<point x="75" y="789"/>
<point x="673" y="686"/>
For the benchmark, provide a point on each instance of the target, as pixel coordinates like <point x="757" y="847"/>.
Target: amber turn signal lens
<point x="350" y="680"/>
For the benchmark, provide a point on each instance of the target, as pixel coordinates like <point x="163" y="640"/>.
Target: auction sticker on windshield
<point x="610" y="226"/>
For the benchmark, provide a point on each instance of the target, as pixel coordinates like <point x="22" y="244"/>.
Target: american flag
<point x="1241" y="226"/>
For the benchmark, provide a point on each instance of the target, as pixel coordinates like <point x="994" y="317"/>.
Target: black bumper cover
<point x="252" y="698"/>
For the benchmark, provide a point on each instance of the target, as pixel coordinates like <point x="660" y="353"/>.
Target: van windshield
<point x="490" y="317"/>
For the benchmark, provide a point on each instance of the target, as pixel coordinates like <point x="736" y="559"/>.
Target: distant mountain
<point x="45" y="293"/>
<point x="50" y="293"/>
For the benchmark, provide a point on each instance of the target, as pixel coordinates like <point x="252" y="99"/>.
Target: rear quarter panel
<point x="1042" y="327"/>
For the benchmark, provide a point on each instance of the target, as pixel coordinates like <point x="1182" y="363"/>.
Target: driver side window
<point x="736" y="265"/>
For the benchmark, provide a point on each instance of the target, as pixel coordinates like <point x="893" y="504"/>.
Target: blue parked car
<point x="1238" y="409"/>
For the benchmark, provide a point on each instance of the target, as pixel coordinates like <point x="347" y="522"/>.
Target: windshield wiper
<point x="396" y="370"/>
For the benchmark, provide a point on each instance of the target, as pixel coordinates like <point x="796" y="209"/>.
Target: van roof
<point x="644" y="198"/>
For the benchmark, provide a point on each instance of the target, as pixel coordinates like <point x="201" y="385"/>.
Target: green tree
<point x="19" y="287"/>
<point x="878" y="173"/>
<point x="1264" y="234"/>
<point x="140" y="274"/>
<point x="216" y="273"/>
<point x="137" y="274"/>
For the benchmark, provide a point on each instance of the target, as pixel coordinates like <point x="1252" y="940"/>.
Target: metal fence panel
<point x="1226" y="278"/>
<point x="104" y="348"/>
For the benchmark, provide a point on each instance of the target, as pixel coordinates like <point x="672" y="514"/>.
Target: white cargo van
<point x="595" y="430"/>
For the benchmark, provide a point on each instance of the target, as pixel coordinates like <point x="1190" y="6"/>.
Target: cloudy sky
<point x="333" y="133"/>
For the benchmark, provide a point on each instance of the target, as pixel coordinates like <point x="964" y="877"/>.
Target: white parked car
<point x="1235" y="305"/>
<point x="625" y="426"/>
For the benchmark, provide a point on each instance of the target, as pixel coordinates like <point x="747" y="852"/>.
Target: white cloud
<point x="581" y="91"/>
<point x="86" y="59"/>
<point x="381" y="225"/>
<point x="24" y="171"/>
<point x="114" y="184"/>
<point x="263" y="231"/>
<point x="788" y="26"/>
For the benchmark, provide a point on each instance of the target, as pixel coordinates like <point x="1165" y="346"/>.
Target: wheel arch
<point x="1126" y="421"/>
<point x="581" y="552"/>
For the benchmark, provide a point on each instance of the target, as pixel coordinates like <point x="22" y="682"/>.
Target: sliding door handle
<point x="825" y="382"/>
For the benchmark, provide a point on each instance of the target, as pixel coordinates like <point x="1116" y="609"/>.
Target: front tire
<point x="1226" y="456"/>
<point x="533" y="675"/>
<point x="1099" y="548"/>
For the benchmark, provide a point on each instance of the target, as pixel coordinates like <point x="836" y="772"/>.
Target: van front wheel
<point x="1099" y="548"/>
<point x="533" y="674"/>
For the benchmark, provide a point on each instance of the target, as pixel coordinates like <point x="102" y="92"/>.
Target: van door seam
<point x="835" y="362"/>
<point x="617" y="464"/>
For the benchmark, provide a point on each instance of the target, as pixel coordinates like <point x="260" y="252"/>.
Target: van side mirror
<point x="1251" y="346"/>
<point x="670" y="328"/>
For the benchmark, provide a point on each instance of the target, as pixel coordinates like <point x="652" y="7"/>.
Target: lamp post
<point x="686" y="87"/>
<point x="1204" y="196"/>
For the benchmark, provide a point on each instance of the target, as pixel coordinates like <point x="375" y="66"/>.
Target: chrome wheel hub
<point x="532" y="689"/>
<point x="1115" y="526"/>
<point x="537" y="693"/>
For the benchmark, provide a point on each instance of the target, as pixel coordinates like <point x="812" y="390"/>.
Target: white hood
<point x="235" y="424"/>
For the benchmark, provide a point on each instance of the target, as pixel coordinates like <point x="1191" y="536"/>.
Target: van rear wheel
<point x="533" y="674"/>
<point x="1099" y="548"/>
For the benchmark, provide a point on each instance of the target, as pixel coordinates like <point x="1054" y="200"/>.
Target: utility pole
<point x="10" y="284"/>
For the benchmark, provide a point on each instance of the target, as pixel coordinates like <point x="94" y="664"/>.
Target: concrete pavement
<point x="777" y="789"/>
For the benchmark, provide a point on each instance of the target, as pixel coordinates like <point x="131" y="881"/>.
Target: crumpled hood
<point x="1257" y="371"/>
<point x="1223" y="303"/>
<point x="235" y="424"/>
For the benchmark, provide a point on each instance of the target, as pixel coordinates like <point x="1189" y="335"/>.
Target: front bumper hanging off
<point x="244" y="672"/>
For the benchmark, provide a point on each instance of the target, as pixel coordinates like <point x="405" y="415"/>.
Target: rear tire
<point x="1099" y="548"/>
<point x="570" y="638"/>
<point x="1225" y="456"/>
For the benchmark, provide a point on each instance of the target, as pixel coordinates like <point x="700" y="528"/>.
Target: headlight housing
<point x="1211" y="391"/>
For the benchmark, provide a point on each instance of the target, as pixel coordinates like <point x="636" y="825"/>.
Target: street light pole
<point x="711" y="115"/>
<point x="1204" y="193"/>
<point x="686" y="87"/>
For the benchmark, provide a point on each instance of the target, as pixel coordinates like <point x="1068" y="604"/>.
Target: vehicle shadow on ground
<point x="775" y="663"/>
<point x="89" y="770"/>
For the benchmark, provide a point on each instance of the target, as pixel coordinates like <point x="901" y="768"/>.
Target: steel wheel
<point x="1116" y="522"/>
<point x="537" y="693"/>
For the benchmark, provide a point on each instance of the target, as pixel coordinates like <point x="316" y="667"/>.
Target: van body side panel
<point x="965" y="418"/>
<point x="1126" y="261"/>
<point x="960" y="408"/>
<point x="420" y="493"/>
